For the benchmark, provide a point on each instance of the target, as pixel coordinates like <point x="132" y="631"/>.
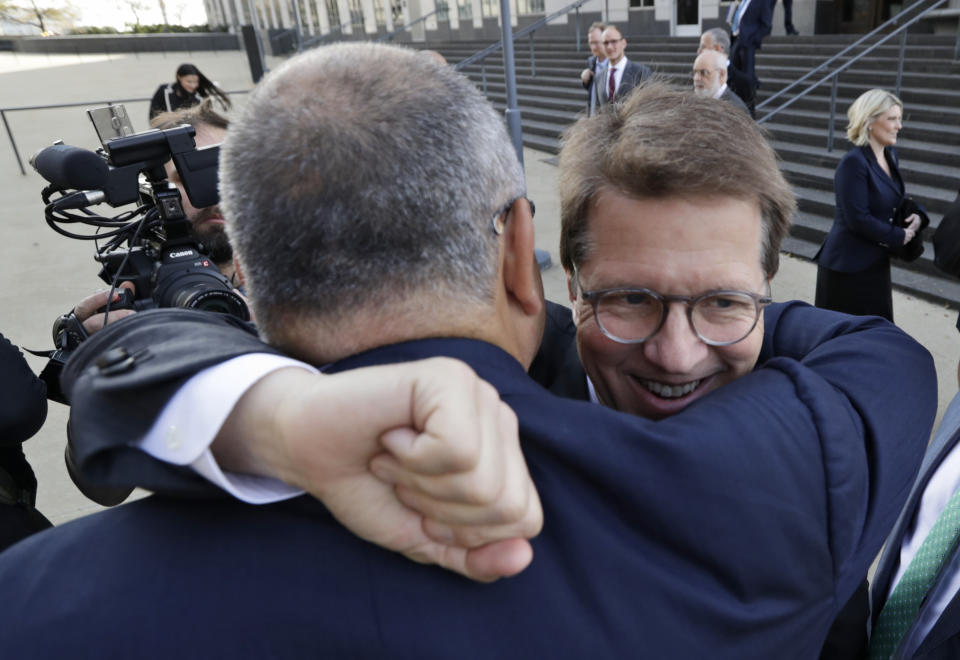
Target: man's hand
<point x="86" y="309"/>
<point x="422" y="458"/>
<point x="586" y="76"/>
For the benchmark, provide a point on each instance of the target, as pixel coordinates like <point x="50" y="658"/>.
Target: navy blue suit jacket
<point x="862" y="232"/>
<point x="756" y="22"/>
<point x="943" y="640"/>
<point x="736" y="529"/>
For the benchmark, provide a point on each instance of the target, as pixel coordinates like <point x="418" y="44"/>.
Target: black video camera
<point x="166" y="264"/>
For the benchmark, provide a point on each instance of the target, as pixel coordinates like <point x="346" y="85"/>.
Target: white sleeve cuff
<point x="188" y="424"/>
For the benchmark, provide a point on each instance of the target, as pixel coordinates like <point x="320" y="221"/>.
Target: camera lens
<point x="201" y="288"/>
<point x="200" y="296"/>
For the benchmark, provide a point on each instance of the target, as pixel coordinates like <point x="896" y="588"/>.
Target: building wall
<point x="128" y="43"/>
<point x="276" y="20"/>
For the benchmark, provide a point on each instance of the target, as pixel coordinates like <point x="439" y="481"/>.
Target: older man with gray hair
<point x="710" y="79"/>
<point x="717" y="39"/>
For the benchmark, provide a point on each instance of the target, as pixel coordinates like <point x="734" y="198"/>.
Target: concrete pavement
<point x="45" y="274"/>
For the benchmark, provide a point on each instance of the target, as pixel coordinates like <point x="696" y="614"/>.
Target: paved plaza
<point x="46" y="274"/>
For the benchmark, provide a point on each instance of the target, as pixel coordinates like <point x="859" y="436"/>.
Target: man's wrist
<point x="251" y="440"/>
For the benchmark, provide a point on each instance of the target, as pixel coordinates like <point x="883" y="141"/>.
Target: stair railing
<point x="407" y="26"/>
<point x="528" y="31"/>
<point x="833" y="76"/>
<point x="321" y="38"/>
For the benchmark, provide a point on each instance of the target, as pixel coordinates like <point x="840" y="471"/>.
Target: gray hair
<point x="721" y="38"/>
<point x="358" y="175"/>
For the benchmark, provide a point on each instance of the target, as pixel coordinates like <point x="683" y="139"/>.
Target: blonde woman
<point x="853" y="273"/>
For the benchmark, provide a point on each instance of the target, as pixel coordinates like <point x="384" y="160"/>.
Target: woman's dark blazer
<point x="867" y="198"/>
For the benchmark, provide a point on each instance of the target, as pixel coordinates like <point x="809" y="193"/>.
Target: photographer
<point x="207" y="222"/>
<point x="190" y="88"/>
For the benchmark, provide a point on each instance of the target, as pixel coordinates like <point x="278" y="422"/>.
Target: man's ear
<point x="521" y="276"/>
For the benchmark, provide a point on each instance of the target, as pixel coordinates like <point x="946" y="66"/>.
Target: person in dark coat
<point x="752" y="22"/>
<point x="189" y="89"/>
<point x="853" y="274"/>
<point x="23" y="409"/>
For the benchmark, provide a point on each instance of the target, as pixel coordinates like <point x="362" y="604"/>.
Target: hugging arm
<point x="422" y="458"/>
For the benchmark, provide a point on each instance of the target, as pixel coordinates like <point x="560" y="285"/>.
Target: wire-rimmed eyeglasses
<point x="719" y="318"/>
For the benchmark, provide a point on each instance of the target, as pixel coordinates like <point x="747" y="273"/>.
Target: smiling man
<point x="648" y="355"/>
<point x="670" y="236"/>
<point x="668" y="249"/>
<point x="621" y="75"/>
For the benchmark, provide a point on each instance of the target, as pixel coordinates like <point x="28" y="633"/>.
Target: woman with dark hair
<point x="190" y="88"/>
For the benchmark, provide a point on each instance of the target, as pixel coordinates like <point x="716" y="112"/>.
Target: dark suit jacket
<point x="557" y="367"/>
<point x="943" y="641"/>
<point x="731" y="97"/>
<point x="742" y="86"/>
<point x="557" y="364"/>
<point x="668" y="539"/>
<point x="862" y="232"/>
<point x="756" y="22"/>
<point x="634" y="74"/>
<point x="592" y="64"/>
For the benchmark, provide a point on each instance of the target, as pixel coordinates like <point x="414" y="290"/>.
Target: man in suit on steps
<point x="621" y="75"/>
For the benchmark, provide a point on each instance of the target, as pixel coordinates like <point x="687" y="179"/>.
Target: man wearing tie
<point x="752" y="21"/>
<point x="914" y="594"/>
<point x="621" y="75"/>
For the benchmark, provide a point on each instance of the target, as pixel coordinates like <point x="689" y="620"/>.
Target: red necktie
<point x="613" y="84"/>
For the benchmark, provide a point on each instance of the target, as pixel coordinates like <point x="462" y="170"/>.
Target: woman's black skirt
<point x="865" y="293"/>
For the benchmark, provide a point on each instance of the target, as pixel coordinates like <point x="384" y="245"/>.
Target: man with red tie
<point x="621" y="75"/>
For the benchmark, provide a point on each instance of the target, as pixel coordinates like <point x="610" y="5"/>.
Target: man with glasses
<point x="730" y="530"/>
<point x="710" y="78"/>
<point x="669" y="255"/>
<point x="621" y="75"/>
<point x="717" y="39"/>
<point x="596" y="64"/>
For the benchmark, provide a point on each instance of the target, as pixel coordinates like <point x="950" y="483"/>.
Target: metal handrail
<point x="276" y="36"/>
<point x="310" y="43"/>
<point x="389" y="37"/>
<point x="55" y="106"/>
<point x="836" y="72"/>
<point x="530" y="29"/>
<point x="890" y="22"/>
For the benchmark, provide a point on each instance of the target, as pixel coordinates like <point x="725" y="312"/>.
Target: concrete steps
<point x="929" y="144"/>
